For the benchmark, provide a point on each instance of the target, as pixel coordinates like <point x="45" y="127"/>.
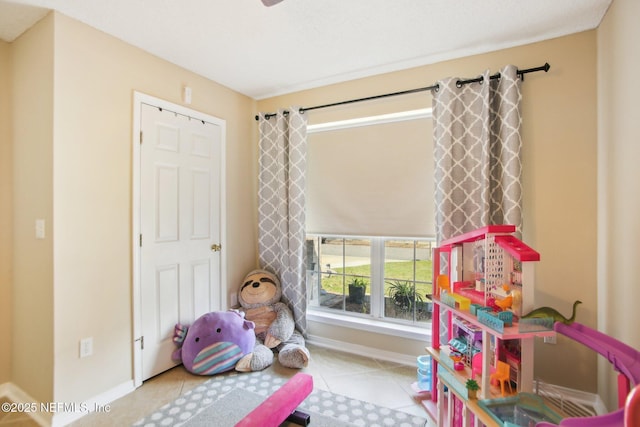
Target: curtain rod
<point x="459" y="83"/>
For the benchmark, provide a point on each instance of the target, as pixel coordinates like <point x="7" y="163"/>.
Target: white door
<point x="180" y="228"/>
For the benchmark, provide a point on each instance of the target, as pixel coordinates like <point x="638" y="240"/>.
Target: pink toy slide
<point x="281" y="404"/>
<point x="624" y="359"/>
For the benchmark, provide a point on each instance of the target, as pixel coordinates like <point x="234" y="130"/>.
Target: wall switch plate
<point x="550" y="340"/>
<point x="86" y="347"/>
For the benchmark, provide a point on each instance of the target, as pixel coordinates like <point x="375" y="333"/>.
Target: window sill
<point x="370" y="325"/>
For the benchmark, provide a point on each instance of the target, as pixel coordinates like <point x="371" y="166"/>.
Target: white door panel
<point x="180" y="220"/>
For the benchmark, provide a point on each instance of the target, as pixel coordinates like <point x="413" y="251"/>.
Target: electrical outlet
<point x="234" y="300"/>
<point x="550" y="339"/>
<point x="86" y="347"/>
<point x="40" y="229"/>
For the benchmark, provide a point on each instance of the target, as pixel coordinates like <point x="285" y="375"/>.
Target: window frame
<point x="369" y="323"/>
<point x="375" y="320"/>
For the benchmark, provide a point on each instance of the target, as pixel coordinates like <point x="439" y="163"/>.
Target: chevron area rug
<point x="225" y="399"/>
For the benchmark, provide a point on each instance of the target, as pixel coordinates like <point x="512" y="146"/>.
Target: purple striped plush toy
<point x="214" y="343"/>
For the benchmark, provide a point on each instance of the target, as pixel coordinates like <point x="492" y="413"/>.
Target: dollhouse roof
<point x="503" y="237"/>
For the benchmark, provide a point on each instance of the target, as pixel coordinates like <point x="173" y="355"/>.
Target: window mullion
<point x="377" y="277"/>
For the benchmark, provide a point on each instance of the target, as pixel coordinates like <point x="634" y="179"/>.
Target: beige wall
<point x="619" y="175"/>
<point x="32" y="332"/>
<point x="559" y="125"/>
<point x="73" y="167"/>
<point x="6" y="209"/>
<point x="95" y="78"/>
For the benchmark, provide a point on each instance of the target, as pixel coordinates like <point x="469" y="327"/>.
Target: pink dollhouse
<point x="483" y="283"/>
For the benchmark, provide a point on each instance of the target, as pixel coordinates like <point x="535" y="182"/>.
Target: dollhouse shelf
<point x="509" y="333"/>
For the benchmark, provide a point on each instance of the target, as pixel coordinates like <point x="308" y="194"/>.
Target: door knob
<point x="216" y="247"/>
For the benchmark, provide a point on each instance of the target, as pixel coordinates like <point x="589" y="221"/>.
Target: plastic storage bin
<point x="424" y="372"/>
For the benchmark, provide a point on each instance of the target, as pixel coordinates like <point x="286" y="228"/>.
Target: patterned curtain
<point x="281" y="206"/>
<point x="477" y="149"/>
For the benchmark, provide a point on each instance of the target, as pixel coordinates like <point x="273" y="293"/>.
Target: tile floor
<point x="372" y="380"/>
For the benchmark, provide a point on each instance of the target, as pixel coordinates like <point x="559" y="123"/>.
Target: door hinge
<point x="141" y="135"/>
<point x="141" y="339"/>
<point x="141" y="240"/>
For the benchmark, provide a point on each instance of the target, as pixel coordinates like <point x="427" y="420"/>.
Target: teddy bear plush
<point x="216" y="342"/>
<point x="259" y="297"/>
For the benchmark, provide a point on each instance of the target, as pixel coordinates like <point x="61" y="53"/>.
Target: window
<point x="367" y="178"/>
<point x="380" y="278"/>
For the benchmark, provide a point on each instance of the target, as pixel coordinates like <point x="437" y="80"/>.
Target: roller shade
<point x="373" y="180"/>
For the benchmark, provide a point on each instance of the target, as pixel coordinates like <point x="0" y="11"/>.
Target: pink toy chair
<point x="502" y="375"/>
<point x="476" y="365"/>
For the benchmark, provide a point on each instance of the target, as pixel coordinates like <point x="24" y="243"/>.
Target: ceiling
<point x="300" y="44"/>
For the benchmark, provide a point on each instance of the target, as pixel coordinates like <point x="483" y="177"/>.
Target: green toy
<point x="553" y="313"/>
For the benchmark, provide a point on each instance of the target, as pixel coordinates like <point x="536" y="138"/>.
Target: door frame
<point x="138" y="100"/>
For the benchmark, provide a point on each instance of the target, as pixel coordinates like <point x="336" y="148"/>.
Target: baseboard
<point x="5" y="389"/>
<point x="362" y="350"/>
<point x="17" y="395"/>
<point x="97" y="403"/>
